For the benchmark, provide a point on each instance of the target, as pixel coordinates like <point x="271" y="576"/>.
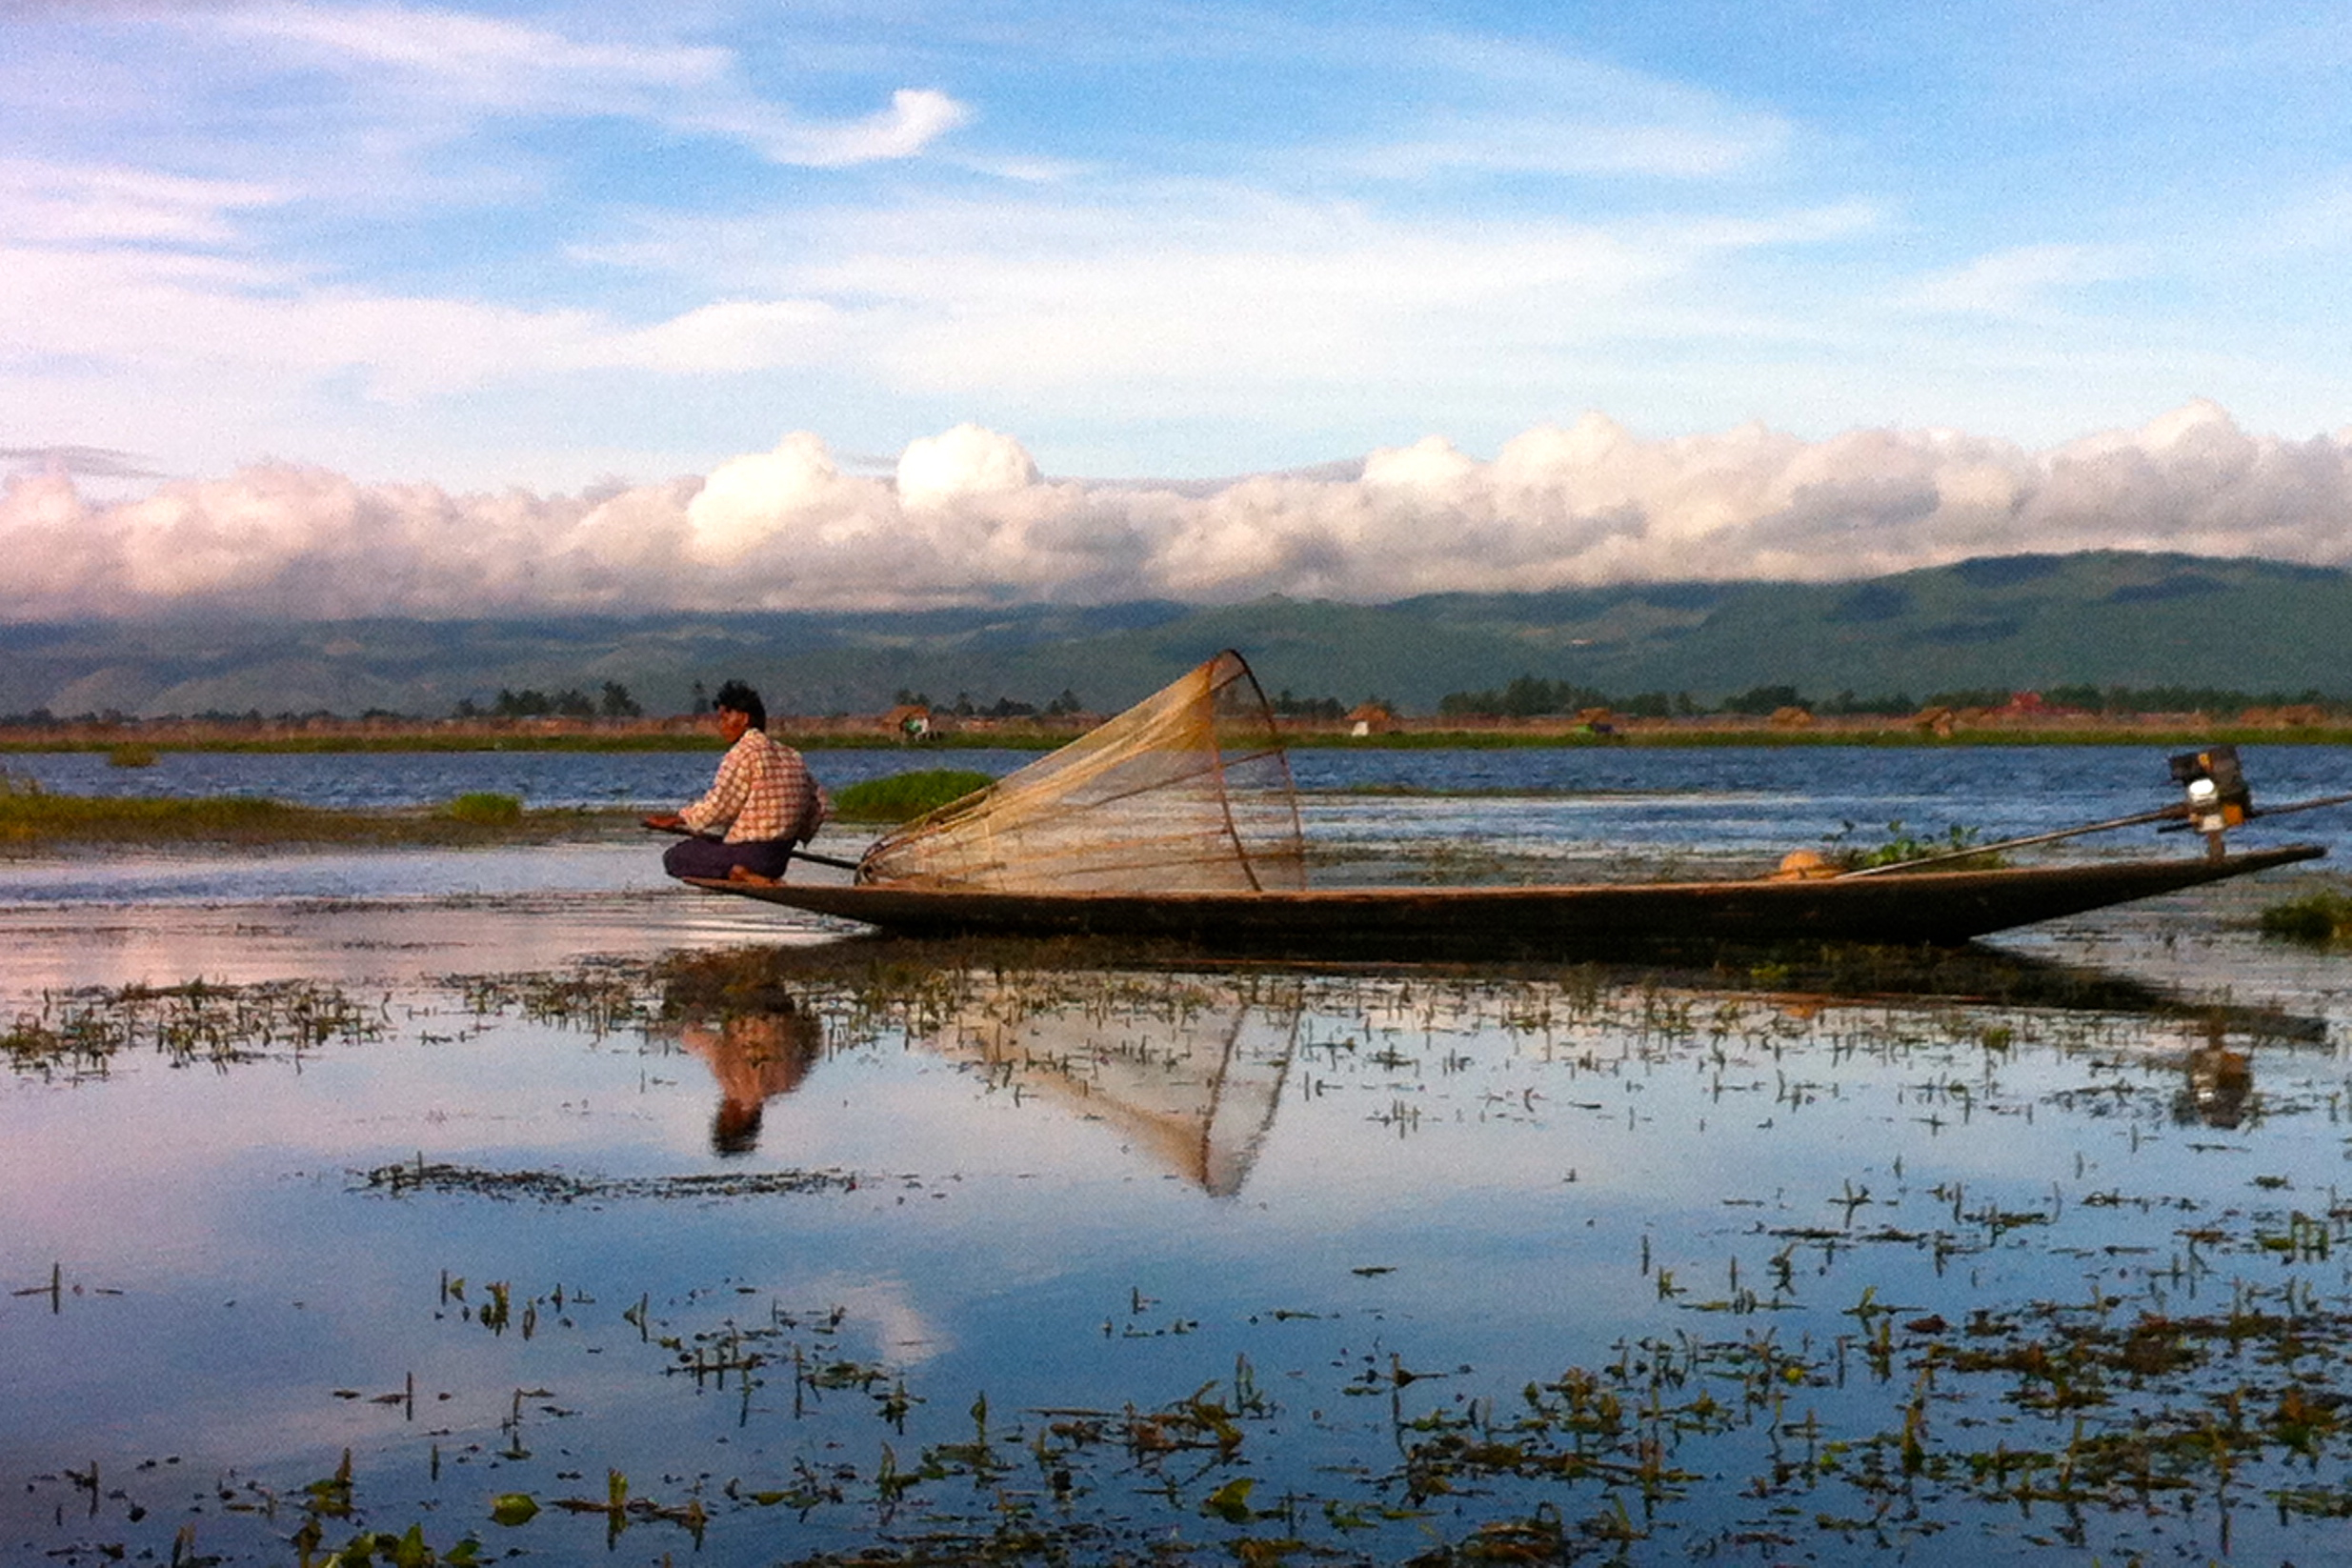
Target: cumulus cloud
<point x="969" y="519"/>
<point x="967" y="461"/>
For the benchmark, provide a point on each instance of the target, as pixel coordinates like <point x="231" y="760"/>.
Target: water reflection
<point x="1591" y="1184"/>
<point x="2220" y="1083"/>
<point x="1192" y="1088"/>
<point x="754" y="1057"/>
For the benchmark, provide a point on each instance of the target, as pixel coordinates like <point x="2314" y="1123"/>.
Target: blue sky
<point x="543" y="248"/>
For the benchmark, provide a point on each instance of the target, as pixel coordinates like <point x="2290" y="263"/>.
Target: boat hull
<point x="1946" y="907"/>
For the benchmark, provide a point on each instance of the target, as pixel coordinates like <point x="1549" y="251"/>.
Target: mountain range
<point x="2005" y="622"/>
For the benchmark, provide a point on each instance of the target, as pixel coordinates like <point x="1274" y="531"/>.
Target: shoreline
<point x="139" y="741"/>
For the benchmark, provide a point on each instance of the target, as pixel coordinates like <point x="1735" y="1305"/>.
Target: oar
<point x="2165" y="814"/>
<point x="2287" y="811"/>
<point x="798" y="853"/>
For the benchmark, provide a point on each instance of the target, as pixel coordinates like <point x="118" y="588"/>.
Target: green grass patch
<point x="33" y="818"/>
<point x="130" y="755"/>
<point x="2319" y="918"/>
<point x="485" y="808"/>
<point x="901" y="797"/>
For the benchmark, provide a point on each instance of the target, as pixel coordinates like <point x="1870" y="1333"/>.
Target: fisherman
<point x="763" y="798"/>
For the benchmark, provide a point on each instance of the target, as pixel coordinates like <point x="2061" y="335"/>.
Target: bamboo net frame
<point x="1188" y="791"/>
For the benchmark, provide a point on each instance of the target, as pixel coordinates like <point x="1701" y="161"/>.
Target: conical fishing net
<point x="1187" y="792"/>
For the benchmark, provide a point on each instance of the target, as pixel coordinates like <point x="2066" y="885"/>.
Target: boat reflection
<point x="1194" y="1086"/>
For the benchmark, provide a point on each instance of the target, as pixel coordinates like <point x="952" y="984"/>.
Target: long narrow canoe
<point x="1944" y="907"/>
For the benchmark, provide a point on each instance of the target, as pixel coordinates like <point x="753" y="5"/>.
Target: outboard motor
<point x="2218" y="798"/>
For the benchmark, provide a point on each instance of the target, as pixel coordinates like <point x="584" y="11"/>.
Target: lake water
<point x="448" y="1197"/>
<point x="1578" y="808"/>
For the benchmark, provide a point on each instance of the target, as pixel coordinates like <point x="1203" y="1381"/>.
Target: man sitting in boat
<point x="763" y="798"/>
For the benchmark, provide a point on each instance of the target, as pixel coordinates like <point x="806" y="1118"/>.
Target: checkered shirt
<point x="763" y="791"/>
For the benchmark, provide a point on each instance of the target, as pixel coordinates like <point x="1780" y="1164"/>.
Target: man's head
<point x="735" y="697"/>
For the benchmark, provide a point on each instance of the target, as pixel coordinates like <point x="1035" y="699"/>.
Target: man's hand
<point x="666" y="821"/>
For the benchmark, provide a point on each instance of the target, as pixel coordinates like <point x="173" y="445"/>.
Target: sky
<point x="405" y="309"/>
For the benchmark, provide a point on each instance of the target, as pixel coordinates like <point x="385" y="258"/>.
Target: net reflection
<point x="1193" y="1087"/>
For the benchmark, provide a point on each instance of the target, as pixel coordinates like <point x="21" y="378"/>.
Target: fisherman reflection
<point x="755" y="1057"/>
<point x="2220" y="1083"/>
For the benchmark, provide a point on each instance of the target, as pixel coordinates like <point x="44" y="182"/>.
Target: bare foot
<point x="745" y="874"/>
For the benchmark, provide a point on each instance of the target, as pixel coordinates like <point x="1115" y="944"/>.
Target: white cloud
<point x="500" y="64"/>
<point x="733" y="335"/>
<point x="2015" y="282"/>
<point x="795" y="493"/>
<point x="1093" y="298"/>
<point x="915" y="118"/>
<point x="437" y="65"/>
<point x="78" y="204"/>
<point x="970" y="519"/>
<point x="966" y="461"/>
<point x="1570" y="145"/>
<point x="1123" y="294"/>
<point x="1491" y="105"/>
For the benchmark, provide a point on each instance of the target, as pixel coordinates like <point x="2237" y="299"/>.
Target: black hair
<point x="735" y="1127"/>
<point x="735" y="695"/>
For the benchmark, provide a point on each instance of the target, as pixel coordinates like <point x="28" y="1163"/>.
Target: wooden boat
<point x="1928" y="906"/>
<point x="1177" y="821"/>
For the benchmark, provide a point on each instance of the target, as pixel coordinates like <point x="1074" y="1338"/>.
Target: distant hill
<point x="2010" y="622"/>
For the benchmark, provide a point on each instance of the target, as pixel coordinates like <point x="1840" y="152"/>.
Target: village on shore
<point x="2027" y="718"/>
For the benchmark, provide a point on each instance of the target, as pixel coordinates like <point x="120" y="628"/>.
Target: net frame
<point x="1190" y="789"/>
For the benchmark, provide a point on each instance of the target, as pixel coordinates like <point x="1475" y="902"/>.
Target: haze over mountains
<point x="2010" y="622"/>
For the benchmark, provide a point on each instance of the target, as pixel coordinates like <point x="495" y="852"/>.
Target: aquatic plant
<point x="597" y="996"/>
<point x="79" y="1032"/>
<point x="28" y="812"/>
<point x="485" y="808"/>
<point x="33" y="817"/>
<point x="1901" y="845"/>
<point x="2318" y="917"/>
<point x="901" y="797"/>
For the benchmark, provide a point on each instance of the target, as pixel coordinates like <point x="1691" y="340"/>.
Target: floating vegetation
<point x="599" y="997"/>
<point x="130" y="755"/>
<point x="33" y="817"/>
<point x="407" y="1176"/>
<point x="485" y="808"/>
<point x="1901" y="846"/>
<point x="901" y="797"/>
<point x="2318" y="917"/>
<point x="2126" y="1427"/>
<point x="30" y="815"/>
<point x="80" y="1032"/>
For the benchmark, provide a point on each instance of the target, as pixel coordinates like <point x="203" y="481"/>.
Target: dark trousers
<point x="699" y="857"/>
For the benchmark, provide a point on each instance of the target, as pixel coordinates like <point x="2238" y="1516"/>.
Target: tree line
<point x="614" y="702"/>
<point x="1531" y="696"/>
<point x="963" y="706"/>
